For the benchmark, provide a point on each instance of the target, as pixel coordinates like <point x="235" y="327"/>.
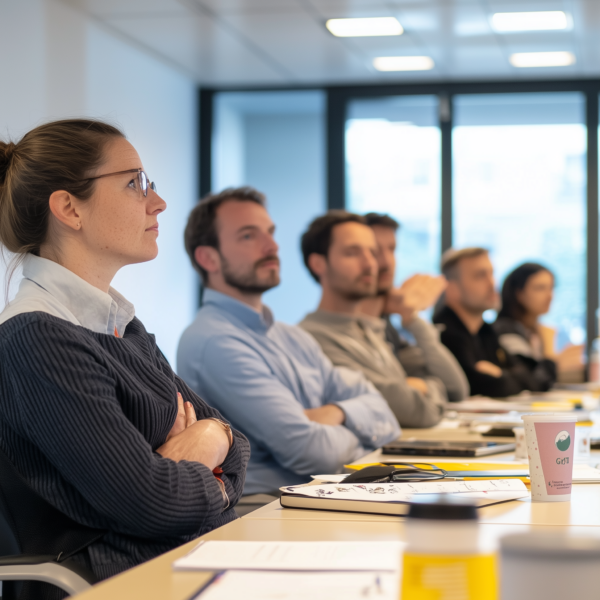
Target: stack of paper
<point x="253" y="585"/>
<point x="297" y="570"/>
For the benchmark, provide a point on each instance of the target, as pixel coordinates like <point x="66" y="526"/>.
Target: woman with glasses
<point x="91" y="414"/>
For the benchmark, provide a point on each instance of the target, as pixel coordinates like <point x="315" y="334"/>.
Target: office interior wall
<point x="274" y="141"/>
<point x="63" y="64"/>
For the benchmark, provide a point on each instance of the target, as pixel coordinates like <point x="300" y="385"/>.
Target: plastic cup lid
<point x="550" y="418"/>
<point x="442" y="507"/>
<point x="550" y="545"/>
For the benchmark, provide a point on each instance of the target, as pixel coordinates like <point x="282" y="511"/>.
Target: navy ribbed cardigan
<point x="81" y="417"/>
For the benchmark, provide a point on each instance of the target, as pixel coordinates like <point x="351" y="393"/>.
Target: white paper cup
<point x="521" y="444"/>
<point x="550" y="443"/>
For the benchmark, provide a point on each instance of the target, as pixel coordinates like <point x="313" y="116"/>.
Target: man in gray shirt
<point x="427" y="356"/>
<point x="340" y="250"/>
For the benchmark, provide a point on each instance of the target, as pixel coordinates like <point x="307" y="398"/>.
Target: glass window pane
<point x="393" y="166"/>
<point x="274" y="141"/>
<point x="519" y="190"/>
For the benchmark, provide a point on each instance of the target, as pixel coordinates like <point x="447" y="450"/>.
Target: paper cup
<point x="521" y="444"/>
<point x="550" y="442"/>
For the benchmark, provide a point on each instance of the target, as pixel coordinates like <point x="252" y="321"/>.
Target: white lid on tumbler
<point x="550" y="418"/>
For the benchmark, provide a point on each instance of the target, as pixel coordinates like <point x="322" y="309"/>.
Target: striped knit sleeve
<point x="234" y="467"/>
<point x="63" y="401"/>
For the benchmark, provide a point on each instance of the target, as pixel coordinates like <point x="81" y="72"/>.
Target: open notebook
<point x="395" y="498"/>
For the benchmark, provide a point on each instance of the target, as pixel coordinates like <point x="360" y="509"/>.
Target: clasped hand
<point x="202" y="441"/>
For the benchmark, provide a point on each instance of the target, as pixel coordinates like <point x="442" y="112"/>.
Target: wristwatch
<point x="226" y="427"/>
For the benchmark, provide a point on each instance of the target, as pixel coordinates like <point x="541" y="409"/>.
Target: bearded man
<point x="341" y="252"/>
<point x="270" y="380"/>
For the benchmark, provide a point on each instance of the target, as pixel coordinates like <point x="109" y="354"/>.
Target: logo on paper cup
<point x="563" y="441"/>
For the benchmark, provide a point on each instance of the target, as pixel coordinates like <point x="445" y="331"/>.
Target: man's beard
<point x="353" y="295"/>
<point x="383" y="290"/>
<point x="248" y="282"/>
<point x="477" y="308"/>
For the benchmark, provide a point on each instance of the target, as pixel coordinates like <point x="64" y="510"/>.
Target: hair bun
<point x="7" y="150"/>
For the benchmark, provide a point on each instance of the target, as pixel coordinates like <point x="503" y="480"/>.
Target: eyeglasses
<point x="396" y="472"/>
<point x="416" y="472"/>
<point x="142" y="179"/>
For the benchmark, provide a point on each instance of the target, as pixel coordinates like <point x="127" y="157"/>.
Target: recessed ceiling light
<point x="542" y="59"/>
<point x="403" y="63"/>
<point x="371" y="26"/>
<point x="529" y="21"/>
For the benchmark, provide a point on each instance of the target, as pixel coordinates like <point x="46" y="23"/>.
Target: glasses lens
<point x="153" y="186"/>
<point x="144" y="183"/>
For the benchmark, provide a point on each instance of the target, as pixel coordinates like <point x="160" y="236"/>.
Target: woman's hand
<point x="203" y="441"/>
<point x="186" y="416"/>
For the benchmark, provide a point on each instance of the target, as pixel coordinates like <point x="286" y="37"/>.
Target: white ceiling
<point x="248" y="43"/>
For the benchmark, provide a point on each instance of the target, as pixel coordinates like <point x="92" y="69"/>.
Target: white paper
<point x="337" y="478"/>
<point x="585" y="474"/>
<point x="293" y="556"/>
<point x="266" y="585"/>
<point x="489" y="489"/>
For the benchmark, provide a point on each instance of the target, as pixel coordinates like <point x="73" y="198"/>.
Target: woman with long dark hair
<point x="527" y="294"/>
<point x="92" y="416"/>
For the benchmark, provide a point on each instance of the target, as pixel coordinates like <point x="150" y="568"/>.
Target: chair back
<point x="29" y="524"/>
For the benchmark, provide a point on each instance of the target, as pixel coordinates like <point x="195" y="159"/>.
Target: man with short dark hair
<point x="340" y="251"/>
<point x="426" y="356"/>
<point x="270" y="380"/>
<point x="471" y="291"/>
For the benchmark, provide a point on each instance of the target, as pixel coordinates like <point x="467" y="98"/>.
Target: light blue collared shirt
<point x="262" y="375"/>
<point x="51" y="288"/>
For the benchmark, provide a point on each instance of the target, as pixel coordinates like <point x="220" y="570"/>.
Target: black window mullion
<point x="445" y="113"/>
<point x="592" y="217"/>
<point x="335" y="148"/>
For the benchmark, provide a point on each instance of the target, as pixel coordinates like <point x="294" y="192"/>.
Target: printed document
<point x="268" y="585"/>
<point x="293" y="556"/>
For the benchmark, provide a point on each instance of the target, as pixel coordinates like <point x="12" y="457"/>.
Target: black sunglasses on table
<point x="397" y="473"/>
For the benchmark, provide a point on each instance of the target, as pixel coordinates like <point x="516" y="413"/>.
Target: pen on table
<point x="375" y="587"/>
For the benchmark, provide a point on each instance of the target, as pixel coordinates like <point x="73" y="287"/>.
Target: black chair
<point x="37" y="543"/>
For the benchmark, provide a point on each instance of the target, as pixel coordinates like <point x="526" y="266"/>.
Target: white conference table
<point x="155" y="580"/>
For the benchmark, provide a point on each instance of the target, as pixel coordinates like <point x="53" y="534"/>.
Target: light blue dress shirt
<point x="51" y="288"/>
<point x="262" y="375"/>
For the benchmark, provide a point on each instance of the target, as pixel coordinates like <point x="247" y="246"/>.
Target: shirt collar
<point x="257" y="321"/>
<point x="93" y="308"/>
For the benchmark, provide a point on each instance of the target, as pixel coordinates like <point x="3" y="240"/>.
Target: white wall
<point x="58" y="63"/>
<point x="275" y="142"/>
<point x="285" y="159"/>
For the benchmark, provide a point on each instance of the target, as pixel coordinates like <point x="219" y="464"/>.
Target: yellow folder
<point x="466" y="471"/>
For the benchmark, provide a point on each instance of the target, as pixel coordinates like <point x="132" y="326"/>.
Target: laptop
<point x="416" y="447"/>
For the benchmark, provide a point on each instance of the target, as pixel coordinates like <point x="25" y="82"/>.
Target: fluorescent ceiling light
<point x="403" y="63"/>
<point x="542" y="59"/>
<point x="371" y="26"/>
<point x="529" y="21"/>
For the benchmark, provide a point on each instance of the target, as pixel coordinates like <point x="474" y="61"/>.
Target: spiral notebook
<point x="395" y="498"/>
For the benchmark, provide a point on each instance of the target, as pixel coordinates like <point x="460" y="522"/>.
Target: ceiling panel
<point x="284" y="42"/>
<point x="141" y="8"/>
<point x="211" y="53"/>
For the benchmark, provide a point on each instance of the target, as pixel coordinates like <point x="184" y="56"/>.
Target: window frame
<point x="337" y="101"/>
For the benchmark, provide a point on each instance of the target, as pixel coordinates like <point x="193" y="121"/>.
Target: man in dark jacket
<point x="470" y="292"/>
